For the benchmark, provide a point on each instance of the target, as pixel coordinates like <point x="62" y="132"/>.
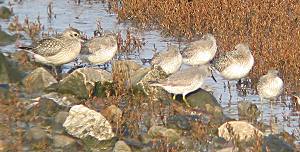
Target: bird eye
<point x="75" y="34"/>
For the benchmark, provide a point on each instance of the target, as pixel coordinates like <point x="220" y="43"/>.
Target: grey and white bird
<point x="55" y="51"/>
<point x="269" y="86"/>
<point x="101" y="49"/>
<point x="185" y="81"/>
<point x="170" y="60"/>
<point x="200" y="52"/>
<point x="236" y="64"/>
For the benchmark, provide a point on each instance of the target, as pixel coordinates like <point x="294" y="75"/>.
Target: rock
<point x="205" y="101"/>
<point x="50" y="104"/>
<point x="9" y="72"/>
<point x="138" y="75"/>
<point x="159" y="131"/>
<point x="6" y="39"/>
<point x="59" y="119"/>
<point x="37" y="137"/>
<point x="112" y="113"/>
<point x="121" y="146"/>
<point x="38" y="80"/>
<point x="178" y="122"/>
<point x="65" y="143"/>
<point x="81" y="82"/>
<point x="248" y="110"/>
<point x="64" y="100"/>
<point x="275" y="144"/>
<point x="24" y="63"/>
<point x="154" y="74"/>
<point x="82" y="122"/>
<point x="2" y="145"/>
<point x="242" y="131"/>
<point x="5" y="13"/>
<point x="126" y="65"/>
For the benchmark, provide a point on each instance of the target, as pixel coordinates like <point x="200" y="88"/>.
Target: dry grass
<point x="270" y="27"/>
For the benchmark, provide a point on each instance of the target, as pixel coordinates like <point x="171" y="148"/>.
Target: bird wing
<point x="160" y="57"/>
<point x="47" y="47"/>
<point x="180" y="78"/>
<point x="225" y="59"/>
<point x="189" y="51"/>
<point x="101" y="43"/>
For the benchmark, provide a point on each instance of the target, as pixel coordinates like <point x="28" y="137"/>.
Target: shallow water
<point x="84" y="17"/>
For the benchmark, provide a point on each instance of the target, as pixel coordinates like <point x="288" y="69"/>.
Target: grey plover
<point x="185" y="81"/>
<point x="101" y="48"/>
<point x="170" y="60"/>
<point x="236" y="64"/>
<point x="55" y="51"/>
<point x="200" y="52"/>
<point x="269" y="86"/>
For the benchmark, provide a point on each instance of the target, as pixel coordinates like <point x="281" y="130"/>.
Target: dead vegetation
<point x="270" y="27"/>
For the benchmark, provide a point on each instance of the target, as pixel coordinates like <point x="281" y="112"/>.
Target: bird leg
<point x="174" y="96"/>
<point x="261" y="108"/>
<point x="185" y="101"/>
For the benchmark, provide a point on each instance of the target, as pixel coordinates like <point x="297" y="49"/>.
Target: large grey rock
<point x="9" y="72"/>
<point x="121" y="146"/>
<point x="38" y="80"/>
<point x="83" y="122"/>
<point x="239" y="130"/>
<point x="5" y="13"/>
<point x="81" y="82"/>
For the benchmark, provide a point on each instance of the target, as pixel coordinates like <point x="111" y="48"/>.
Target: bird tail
<point x="25" y="47"/>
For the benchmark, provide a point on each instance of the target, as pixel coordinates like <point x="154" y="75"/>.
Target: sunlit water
<point x="84" y="17"/>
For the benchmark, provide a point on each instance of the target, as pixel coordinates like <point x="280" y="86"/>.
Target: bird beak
<point x="212" y="76"/>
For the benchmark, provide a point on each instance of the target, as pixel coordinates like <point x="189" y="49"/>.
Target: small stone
<point x="65" y="143"/>
<point x="38" y="138"/>
<point x="60" y="118"/>
<point x="248" y="110"/>
<point x="121" y="146"/>
<point x="9" y="72"/>
<point x="5" y="13"/>
<point x="2" y="145"/>
<point x="83" y="122"/>
<point x="241" y="130"/>
<point x="159" y="131"/>
<point x="6" y="39"/>
<point x="38" y="80"/>
<point x="112" y="113"/>
<point x="178" y="122"/>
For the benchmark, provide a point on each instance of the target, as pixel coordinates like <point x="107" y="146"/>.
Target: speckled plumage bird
<point x="236" y="64"/>
<point x="269" y="86"/>
<point x="200" y="52"/>
<point x="170" y="60"/>
<point x="101" y="48"/>
<point x="58" y="50"/>
<point x="185" y="81"/>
